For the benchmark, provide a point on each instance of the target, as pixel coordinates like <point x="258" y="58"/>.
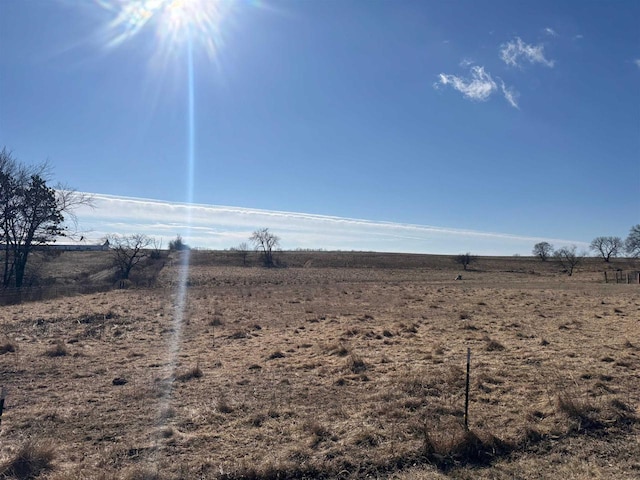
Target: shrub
<point x="178" y="245"/>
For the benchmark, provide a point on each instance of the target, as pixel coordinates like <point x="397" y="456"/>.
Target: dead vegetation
<point x="327" y="373"/>
<point x="29" y="461"/>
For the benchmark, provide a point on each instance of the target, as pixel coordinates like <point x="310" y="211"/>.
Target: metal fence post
<point x="3" y="394"/>
<point x="466" y="393"/>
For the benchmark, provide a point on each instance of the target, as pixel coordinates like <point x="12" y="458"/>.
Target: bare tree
<point x="543" y="250"/>
<point x="265" y="242"/>
<point x="632" y="243"/>
<point x="464" y="259"/>
<point x="128" y="251"/>
<point x="243" y="251"/>
<point x="607" y="247"/>
<point x="568" y="258"/>
<point x="32" y="214"/>
<point x="156" y="249"/>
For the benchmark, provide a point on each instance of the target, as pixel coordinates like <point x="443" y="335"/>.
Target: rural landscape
<point x="332" y="240"/>
<point x="334" y="365"/>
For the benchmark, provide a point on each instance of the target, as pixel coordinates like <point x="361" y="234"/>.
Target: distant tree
<point x="632" y="243"/>
<point x="265" y="242"/>
<point x="568" y="258"/>
<point x="242" y="250"/>
<point x="464" y="259"/>
<point x="128" y="251"/>
<point x="607" y="247"/>
<point x="32" y="214"/>
<point x="156" y="249"/>
<point x="543" y="250"/>
<point x="178" y="245"/>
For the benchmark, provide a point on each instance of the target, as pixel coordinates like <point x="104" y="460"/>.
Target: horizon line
<point x="211" y="224"/>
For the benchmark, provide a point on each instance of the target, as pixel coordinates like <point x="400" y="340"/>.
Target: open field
<point x="340" y="366"/>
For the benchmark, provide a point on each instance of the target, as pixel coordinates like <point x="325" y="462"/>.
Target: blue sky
<point x="521" y="118"/>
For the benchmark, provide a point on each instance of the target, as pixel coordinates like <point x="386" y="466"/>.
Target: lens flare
<point x="180" y="27"/>
<point x="175" y="22"/>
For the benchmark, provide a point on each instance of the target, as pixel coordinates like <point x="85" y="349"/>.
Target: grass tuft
<point x="620" y="405"/>
<point x="493" y="345"/>
<point x="195" y="372"/>
<point x="59" y="350"/>
<point x="318" y="431"/>
<point x="7" y="348"/>
<point x="30" y="461"/>
<point x="223" y="405"/>
<point x="143" y="473"/>
<point x="581" y="411"/>
<point x="460" y="447"/>
<point x="356" y="364"/>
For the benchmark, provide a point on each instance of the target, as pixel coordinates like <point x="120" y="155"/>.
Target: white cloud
<point x="550" y="31"/>
<point x="510" y="94"/>
<point x="512" y="52"/>
<point x="637" y="62"/>
<point x="220" y="227"/>
<point x="479" y="86"/>
<point x="466" y="62"/>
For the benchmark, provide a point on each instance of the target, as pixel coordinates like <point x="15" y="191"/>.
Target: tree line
<point x="605" y="247"/>
<point x="130" y="251"/>
<point x="33" y="213"/>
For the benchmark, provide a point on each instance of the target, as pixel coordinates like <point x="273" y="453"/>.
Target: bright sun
<point x="174" y="21"/>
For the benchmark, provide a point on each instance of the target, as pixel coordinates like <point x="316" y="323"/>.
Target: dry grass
<point x="29" y="461"/>
<point x="332" y="372"/>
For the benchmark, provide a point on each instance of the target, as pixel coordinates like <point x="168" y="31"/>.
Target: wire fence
<point x="14" y="296"/>
<point x="621" y="276"/>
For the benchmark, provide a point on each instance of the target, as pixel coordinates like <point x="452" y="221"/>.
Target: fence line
<point x="620" y="276"/>
<point x="13" y="296"/>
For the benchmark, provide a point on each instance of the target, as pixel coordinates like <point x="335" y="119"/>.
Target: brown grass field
<point x="342" y="365"/>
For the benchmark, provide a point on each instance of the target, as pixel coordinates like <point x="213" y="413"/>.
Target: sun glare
<point x="174" y="21"/>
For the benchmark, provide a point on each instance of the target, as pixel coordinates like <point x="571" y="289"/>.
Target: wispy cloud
<point x="510" y="94"/>
<point x="220" y="227"/>
<point x="478" y="87"/>
<point x="514" y="52"/>
<point x="637" y="62"/>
